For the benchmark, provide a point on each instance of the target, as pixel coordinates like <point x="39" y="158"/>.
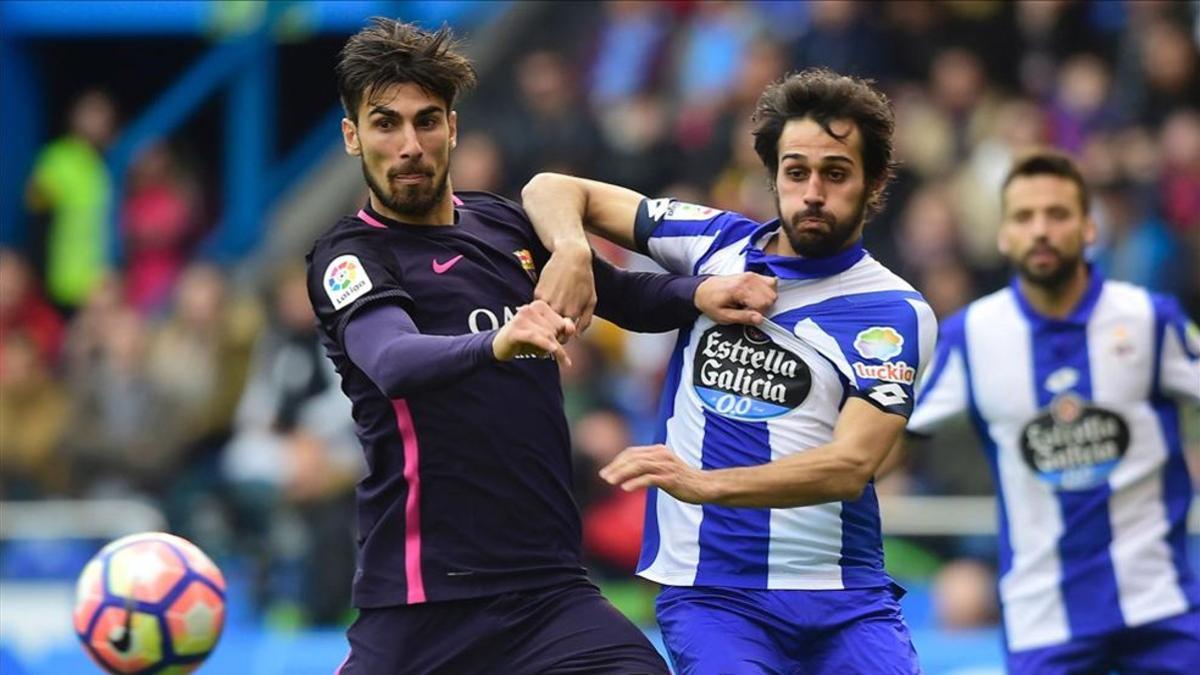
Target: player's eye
<point x="797" y="173"/>
<point x="836" y="175"/>
<point x="384" y="123"/>
<point x="1058" y="213"/>
<point x="427" y="123"/>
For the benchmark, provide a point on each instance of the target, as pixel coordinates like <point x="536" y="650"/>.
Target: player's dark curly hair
<point x="389" y="52"/>
<point x="1045" y="162"/>
<point x="825" y="96"/>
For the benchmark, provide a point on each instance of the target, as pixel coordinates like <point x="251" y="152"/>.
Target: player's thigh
<point x="718" y="631"/>
<point x="1165" y="647"/>
<point x="447" y="637"/>
<point x="1081" y="656"/>
<point x="574" y="629"/>
<point x="866" y="634"/>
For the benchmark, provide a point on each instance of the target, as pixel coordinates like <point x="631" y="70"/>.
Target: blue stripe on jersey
<point x="1089" y="582"/>
<point x="862" y="557"/>
<point x="666" y="409"/>
<point x="734" y="542"/>
<point x="733" y="230"/>
<point x="1177" y="484"/>
<point x="1177" y="490"/>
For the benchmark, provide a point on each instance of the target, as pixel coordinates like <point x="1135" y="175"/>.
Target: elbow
<point x="853" y="482"/>
<point x="541" y="181"/>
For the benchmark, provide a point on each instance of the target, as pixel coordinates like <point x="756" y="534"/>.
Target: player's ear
<point x="350" y="138"/>
<point x="1089" y="231"/>
<point x="452" y="122"/>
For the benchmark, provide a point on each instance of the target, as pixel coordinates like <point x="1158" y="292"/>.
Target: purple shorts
<point x="1164" y="647"/>
<point x="563" y="629"/>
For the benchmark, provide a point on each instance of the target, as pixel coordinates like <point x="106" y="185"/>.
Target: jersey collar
<point x="796" y="267"/>
<point x="375" y="219"/>
<point x="1078" y="316"/>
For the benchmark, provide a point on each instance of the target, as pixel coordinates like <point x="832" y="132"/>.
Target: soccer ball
<point x="150" y="603"/>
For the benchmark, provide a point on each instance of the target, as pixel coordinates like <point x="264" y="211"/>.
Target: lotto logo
<point x="888" y="395"/>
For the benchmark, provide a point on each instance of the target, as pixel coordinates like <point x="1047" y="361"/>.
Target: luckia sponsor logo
<point x="879" y="342"/>
<point x="899" y="372"/>
<point x="1074" y="445"/>
<point x="739" y="372"/>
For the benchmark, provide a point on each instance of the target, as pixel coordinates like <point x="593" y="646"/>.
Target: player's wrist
<point x="712" y="486"/>
<point x="573" y="247"/>
<point x="698" y="284"/>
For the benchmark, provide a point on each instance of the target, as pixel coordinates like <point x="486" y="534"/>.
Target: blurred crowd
<point x="204" y="389"/>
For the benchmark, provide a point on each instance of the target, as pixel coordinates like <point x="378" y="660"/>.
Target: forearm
<point x="386" y="345"/>
<point x="645" y="302"/>
<point x="560" y="207"/>
<point x="824" y="474"/>
<point x="556" y="206"/>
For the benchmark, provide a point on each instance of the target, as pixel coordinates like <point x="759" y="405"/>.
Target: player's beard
<point x="409" y="200"/>
<point x="821" y="244"/>
<point x="1054" y="277"/>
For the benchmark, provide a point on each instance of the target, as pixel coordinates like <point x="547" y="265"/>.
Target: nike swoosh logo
<point x="122" y="641"/>
<point x="441" y="268"/>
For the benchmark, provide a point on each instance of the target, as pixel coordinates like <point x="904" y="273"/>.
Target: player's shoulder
<point x="350" y="234"/>
<point x="872" y="289"/>
<point x="1133" y="301"/>
<point x="668" y="211"/>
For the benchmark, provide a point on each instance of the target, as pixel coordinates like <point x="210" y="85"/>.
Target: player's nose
<point x="814" y="191"/>
<point x="410" y="147"/>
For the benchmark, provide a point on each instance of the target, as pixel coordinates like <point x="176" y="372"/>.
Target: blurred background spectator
<point x="70" y="188"/>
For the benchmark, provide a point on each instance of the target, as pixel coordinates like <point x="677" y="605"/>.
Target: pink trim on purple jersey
<point x="457" y="201"/>
<point x="366" y="217"/>
<point x="412" y="505"/>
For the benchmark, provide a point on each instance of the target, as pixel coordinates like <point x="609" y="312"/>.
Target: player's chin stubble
<point x="821" y="244"/>
<point x="408" y="200"/>
<point x="1054" y="277"/>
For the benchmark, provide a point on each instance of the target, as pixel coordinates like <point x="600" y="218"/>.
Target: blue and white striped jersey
<point x="740" y="396"/>
<point x="1079" y="420"/>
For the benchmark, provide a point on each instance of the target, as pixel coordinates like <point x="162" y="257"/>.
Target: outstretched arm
<point x="650" y="302"/>
<point x="836" y="471"/>
<point x="385" y="343"/>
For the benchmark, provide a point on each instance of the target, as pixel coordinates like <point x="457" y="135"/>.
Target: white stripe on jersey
<point x="1146" y="576"/>
<point x="1004" y="389"/>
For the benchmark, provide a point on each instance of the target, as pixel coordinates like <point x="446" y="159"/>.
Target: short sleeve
<point x="1179" y="351"/>
<point x="348" y="275"/>
<point x="679" y="235"/>
<point x="943" y="391"/>
<point x="886" y="349"/>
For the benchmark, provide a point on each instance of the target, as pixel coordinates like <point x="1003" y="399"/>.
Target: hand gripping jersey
<point x="1079" y="422"/>
<point x="740" y="396"/>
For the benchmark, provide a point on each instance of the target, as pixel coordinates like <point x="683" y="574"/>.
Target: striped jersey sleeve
<point x="943" y="392"/>
<point x="887" y="353"/>
<point x="681" y="236"/>
<point x="1179" y="351"/>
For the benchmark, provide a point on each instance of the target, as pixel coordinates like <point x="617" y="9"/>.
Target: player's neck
<point x="441" y="214"/>
<point x="1056" y="302"/>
